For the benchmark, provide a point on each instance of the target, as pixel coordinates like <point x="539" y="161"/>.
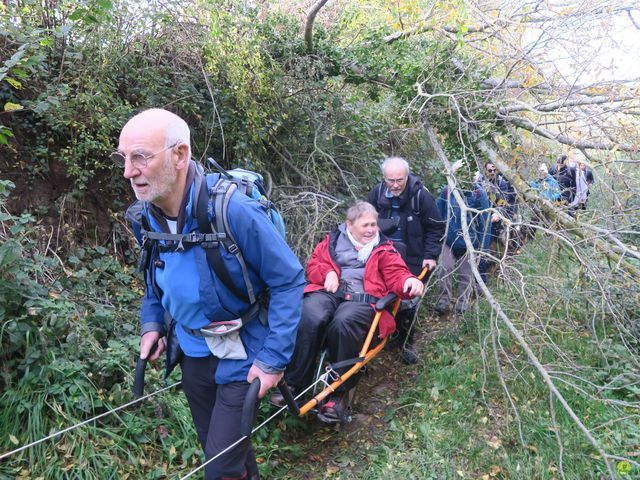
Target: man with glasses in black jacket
<point x="401" y="196"/>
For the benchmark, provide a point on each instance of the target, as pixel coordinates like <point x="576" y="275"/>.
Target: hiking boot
<point x="461" y="307"/>
<point x="394" y="341"/>
<point x="441" y="307"/>
<point x="277" y="399"/>
<point x="335" y="410"/>
<point x="409" y="355"/>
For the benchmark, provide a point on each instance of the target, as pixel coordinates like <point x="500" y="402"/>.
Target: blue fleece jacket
<point x="479" y="224"/>
<point x="194" y="296"/>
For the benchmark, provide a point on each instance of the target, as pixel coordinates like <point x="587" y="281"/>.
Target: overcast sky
<point x="603" y="49"/>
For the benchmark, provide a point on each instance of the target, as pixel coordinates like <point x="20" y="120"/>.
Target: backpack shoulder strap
<point x="380" y="195"/>
<point x="415" y="202"/>
<point x="214" y="257"/>
<point x="144" y="220"/>
<point x="133" y="216"/>
<point x="223" y="191"/>
<point x="148" y="252"/>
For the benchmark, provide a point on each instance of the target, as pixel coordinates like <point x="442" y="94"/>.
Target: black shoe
<point x="409" y="355"/>
<point x="277" y="399"/>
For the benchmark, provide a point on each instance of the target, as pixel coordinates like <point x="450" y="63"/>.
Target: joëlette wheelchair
<point x="326" y="373"/>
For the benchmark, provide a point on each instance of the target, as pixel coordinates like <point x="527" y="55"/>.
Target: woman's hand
<point x="331" y="282"/>
<point x="413" y="287"/>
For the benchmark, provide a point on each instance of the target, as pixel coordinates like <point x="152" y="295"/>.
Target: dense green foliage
<point x="75" y="72"/>
<point x="71" y="74"/>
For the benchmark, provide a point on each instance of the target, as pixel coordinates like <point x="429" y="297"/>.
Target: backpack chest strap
<point x="179" y="242"/>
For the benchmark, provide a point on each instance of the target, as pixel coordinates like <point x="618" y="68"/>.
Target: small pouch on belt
<point x="223" y="339"/>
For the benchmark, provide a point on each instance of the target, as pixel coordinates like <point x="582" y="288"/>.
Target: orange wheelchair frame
<point x="365" y="356"/>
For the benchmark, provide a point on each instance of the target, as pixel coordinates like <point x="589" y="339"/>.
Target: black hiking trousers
<point x="216" y="411"/>
<point x="341" y="324"/>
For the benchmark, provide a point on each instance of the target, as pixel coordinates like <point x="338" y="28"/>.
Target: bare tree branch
<point x="633" y="20"/>
<point x="308" y="28"/>
<point x="495" y="305"/>
<point x="565" y="103"/>
<point x="447" y="28"/>
<point x="566" y="140"/>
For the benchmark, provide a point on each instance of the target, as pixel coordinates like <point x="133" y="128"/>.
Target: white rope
<point x="233" y="445"/>
<point x="330" y="375"/>
<point x="97" y="417"/>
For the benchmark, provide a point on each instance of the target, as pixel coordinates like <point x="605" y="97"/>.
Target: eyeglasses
<point x="491" y="170"/>
<point x="138" y="160"/>
<point x="396" y="181"/>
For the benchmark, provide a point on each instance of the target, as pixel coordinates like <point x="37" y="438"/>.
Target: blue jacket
<point x="479" y="223"/>
<point x="194" y="296"/>
<point x="549" y="189"/>
<point x="501" y="194"/>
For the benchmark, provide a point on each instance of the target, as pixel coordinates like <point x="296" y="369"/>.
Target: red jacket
<point x="384" y="272"/>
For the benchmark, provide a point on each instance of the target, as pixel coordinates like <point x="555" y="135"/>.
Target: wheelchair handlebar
<point x="251" y="402"/>
<point x="249" y="408"/>
<point x="288" y="397"/>
<point x="138" y="379"/>
<point x="138" y="376"/>
<point x="385" y="301"/>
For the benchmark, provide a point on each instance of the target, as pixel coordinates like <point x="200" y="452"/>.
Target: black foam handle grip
<point x="288" y="397"/>
<point x="390" y="297"/>
<point x="249" y="408"/>
<point x="138" y="379"/>
<point x="384" y="301"/>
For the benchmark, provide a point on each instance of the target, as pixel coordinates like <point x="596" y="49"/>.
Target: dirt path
<point x="327" y="449"/>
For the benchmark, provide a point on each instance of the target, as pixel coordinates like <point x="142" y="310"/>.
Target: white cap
<point x="543" y="168"/>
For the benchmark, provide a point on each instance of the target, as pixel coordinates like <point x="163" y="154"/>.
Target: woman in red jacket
<point x="348" y="272"/>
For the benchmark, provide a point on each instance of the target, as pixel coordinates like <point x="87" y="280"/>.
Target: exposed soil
<point x="67" y="217"/>
<point x="328" y="449"/>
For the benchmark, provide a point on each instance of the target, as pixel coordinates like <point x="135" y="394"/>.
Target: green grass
<point x="455" y="420"/>
<point x="454" y="424"/>
<point x="149" y="440"/>
<point x="452" y="421"/>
